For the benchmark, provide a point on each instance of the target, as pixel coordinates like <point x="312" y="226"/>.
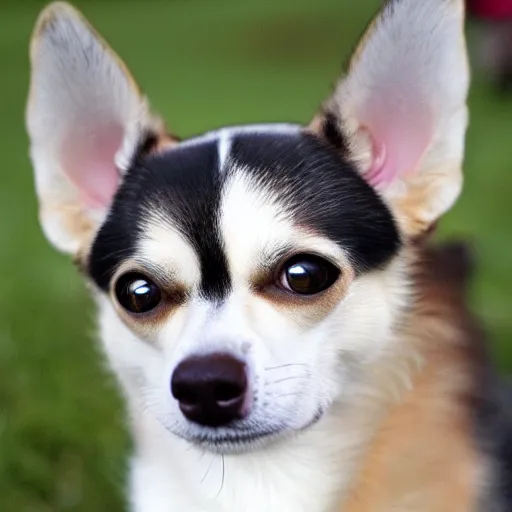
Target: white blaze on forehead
<point x="249" y="222"/>
<point x="253" y="224"/>
<point x="224" y="147"/>
<point x="163" y="245"/>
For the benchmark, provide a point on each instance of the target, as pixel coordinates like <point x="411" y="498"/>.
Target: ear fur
<point x="401" y="109"/>
<point x="86" y="119"/>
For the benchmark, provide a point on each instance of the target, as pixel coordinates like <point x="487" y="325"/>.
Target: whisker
<point x="223" y="473"/>
<point x="284" y="379"/>
<point x="270" y="368"/>
<point x="296" y="393"/>
<point x="208" y="470"/>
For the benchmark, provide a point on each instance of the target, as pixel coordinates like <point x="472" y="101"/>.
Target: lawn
<point x="203" y="63"/>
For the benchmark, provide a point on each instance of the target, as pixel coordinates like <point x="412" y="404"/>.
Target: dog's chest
<point x="209" y="483"/>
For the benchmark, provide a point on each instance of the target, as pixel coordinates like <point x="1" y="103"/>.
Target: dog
<point x="283" y="331"/>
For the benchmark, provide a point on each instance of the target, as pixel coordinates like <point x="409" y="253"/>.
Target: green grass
<point x="204" y="63"/>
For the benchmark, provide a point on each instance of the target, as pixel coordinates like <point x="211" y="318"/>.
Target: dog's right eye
<point x="137" y="293"/>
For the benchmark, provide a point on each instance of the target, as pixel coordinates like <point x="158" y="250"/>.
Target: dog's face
<point x="245" y="280"/>
<point x="246" y="277"/>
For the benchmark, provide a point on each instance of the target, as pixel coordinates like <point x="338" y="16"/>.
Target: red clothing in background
<point x="491" y="9"/>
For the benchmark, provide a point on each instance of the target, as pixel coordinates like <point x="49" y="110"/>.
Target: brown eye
<point x="307" y="274"/>
<point x="137" y="293"/>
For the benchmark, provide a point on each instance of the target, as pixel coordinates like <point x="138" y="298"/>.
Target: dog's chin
<point x="237" y="441"/>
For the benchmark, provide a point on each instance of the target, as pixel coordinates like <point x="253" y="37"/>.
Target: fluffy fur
<point x="361" y="397"/>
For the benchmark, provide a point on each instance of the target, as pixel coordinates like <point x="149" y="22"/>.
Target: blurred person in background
<point x="494" y="45"/>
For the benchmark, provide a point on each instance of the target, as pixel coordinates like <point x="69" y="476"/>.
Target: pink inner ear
<point x="401" y="129"/>
<point x="89" y="162"/>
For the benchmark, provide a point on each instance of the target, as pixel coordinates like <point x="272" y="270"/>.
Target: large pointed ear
<point x="86" y="120"/>
<point x="401" y="110"/>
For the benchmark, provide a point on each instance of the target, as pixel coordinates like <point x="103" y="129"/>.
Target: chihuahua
<point x="284" y="335"/>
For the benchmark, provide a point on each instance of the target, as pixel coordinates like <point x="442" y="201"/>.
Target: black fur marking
<point x="317" y="187"/>
<point x="148" y="142"/>
<point x="493" y="406"/>
<point x="332" y="132"/>
<point x="322" y="190"/>
<point x="181" y="186"/>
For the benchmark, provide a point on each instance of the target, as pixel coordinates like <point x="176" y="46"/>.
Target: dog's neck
<point x="405" y="445"/>
<point x="423" y="456"/>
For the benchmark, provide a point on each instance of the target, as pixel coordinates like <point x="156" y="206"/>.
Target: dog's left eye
<point x="307" y="274"/>
<point x="137" y="293"/>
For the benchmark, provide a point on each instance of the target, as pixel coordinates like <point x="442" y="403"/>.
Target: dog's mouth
<point x="242" y="441"/>
<point x="237" y="442"/>
<point x="232" y="441"/>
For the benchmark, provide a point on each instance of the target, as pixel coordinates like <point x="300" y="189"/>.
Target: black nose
<point x="211" y="389"/>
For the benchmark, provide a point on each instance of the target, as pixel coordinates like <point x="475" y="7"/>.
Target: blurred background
<point x="203" y="63"/>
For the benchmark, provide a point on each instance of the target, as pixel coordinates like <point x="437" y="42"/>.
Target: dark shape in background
<point x="494" y="43"/>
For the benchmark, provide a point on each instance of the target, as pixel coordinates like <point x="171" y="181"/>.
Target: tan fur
<point x="306" y="309"/>
<point x="423" y="456"/>
<point x="410" y="212"/>
<point x="164" y="142"/>
<point x="82" y="226"/>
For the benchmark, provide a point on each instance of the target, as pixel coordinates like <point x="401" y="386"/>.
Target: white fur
<point x="224" y="145"/>
<point x="166" y="248"/>
<point x="299" y="473"/>
<point x="347" y="364"/>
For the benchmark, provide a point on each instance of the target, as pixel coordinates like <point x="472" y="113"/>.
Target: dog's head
<point x="247" y="276"/>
